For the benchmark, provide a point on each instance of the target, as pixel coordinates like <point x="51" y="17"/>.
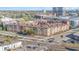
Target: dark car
<point x="22" y="33"/>
<point x="28" y="46"/>
<point x="34" y="47"/>
<point x="51" y="40"/>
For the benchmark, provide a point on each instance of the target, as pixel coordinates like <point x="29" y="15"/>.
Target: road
<point x="39" y="37"/>
<point x="42" y="40"/>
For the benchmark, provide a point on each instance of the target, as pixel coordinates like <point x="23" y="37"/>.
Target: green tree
<point x="30" y="32"/>
<point x="26" y="17"/>
<point x="5" y="28"/>
<point x="2" y="26"/>
<point x="8" y="39"/>
<point x="0" y="17"/>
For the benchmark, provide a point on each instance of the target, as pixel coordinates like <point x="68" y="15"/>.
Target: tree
<point x="2" y="26"/>
<point x="0" y="17"/>
<point x="22" y="20"/>
<point x="5" y="28"/>
<point x="25" y="18"/>
<point x="8" y="39"/>
<point x="30" y="32"/>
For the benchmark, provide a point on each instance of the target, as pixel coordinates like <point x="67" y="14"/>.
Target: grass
<point x="10" y="34"/>
<point x="71" y="45"/>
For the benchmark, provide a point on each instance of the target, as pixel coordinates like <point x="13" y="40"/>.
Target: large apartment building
<point x="48" y="28"/>
<point x="41" y="27"/>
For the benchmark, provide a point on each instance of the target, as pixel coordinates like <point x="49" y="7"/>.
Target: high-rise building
<point x="58" y="11"/>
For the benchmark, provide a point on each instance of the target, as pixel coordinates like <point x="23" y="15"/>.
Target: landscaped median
<point x="71" y="47"/>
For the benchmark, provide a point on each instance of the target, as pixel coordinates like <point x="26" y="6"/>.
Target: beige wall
<point x="44" y="31"/>
<point x="51" y="31"/>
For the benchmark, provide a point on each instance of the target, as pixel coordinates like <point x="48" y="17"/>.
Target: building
<point x="41" y="27"/>
<point x="74" y="22"/>
<point x="58" y="11"/>
<point x="9" y="24"/>
<point x="49" y="27"/>
<point x="43" y="16"/>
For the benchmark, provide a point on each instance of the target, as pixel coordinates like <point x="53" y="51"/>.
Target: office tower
<point x="58" y="11"/>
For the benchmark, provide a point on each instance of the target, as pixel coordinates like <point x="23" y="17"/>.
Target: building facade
<point x="41" y="27"/>
<point x="48" y="28"/>
<point x="58" y="11"/>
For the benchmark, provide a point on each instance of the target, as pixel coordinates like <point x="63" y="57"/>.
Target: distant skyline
<point x="35" y="8"/>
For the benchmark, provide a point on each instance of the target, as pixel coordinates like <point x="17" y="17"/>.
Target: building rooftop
<point x="46" y="23"/>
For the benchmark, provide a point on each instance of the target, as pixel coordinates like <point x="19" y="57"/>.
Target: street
<point x="40" y="43"/>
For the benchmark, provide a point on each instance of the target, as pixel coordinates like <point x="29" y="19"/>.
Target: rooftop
<point x="46" y="23"/>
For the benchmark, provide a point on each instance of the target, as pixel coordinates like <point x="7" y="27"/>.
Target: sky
<point x="25" y="8"/>
<point x="34" y="8"/>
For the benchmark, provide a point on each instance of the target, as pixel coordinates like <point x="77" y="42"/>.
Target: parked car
<point x="51" y="40"/>
<point x="28" y="46"/>
<point x="31" y="46"/>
